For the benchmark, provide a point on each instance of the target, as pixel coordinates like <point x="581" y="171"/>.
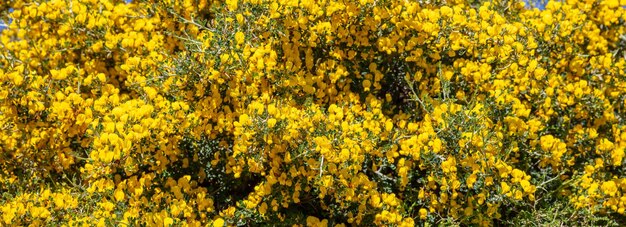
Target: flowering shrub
<point x="312" y="113"/>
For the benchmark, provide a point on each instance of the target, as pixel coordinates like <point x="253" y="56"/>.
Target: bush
<point x="312" y="113"/>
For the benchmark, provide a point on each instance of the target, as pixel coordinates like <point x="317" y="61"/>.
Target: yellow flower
<point x="517" y="194"/>
<point x="312" y="221"/>
<point x="344" y="155"/>
<point x="239" y="38"/>
<point x="58" y="74"/>
<point x="219" y="222"/>
<point x="617" y="156"/>
<point x="388" y="126"/>
<point x="8" y="213"/>
<point x="609" y="188"/>
<point x="471" y="180"/>
<point x="168" y="222"/>
<point x="423" y="213"/>
<point x="119" y="195"/>
<point x="366" y="85"/>
<point x="547" y="142"/>
<point x="271" y="122"/>
<point x="150" y="92"/>
<point x="612" y="3"/>
<point x="101" y="77"/>
<point x="505" y="187"/>
<point x="527" y="187"/>
<point x="244" y="119"/>
<point x="437" y="146"/>
<point x="232" y="5"/>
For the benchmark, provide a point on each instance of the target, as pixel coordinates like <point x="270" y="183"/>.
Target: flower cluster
<point x="316" y="113"/>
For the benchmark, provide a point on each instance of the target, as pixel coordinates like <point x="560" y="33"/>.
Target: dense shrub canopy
<point x="369" y="112"/>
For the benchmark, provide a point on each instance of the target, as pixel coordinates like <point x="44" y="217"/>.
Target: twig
<point x="321" y="163"/>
